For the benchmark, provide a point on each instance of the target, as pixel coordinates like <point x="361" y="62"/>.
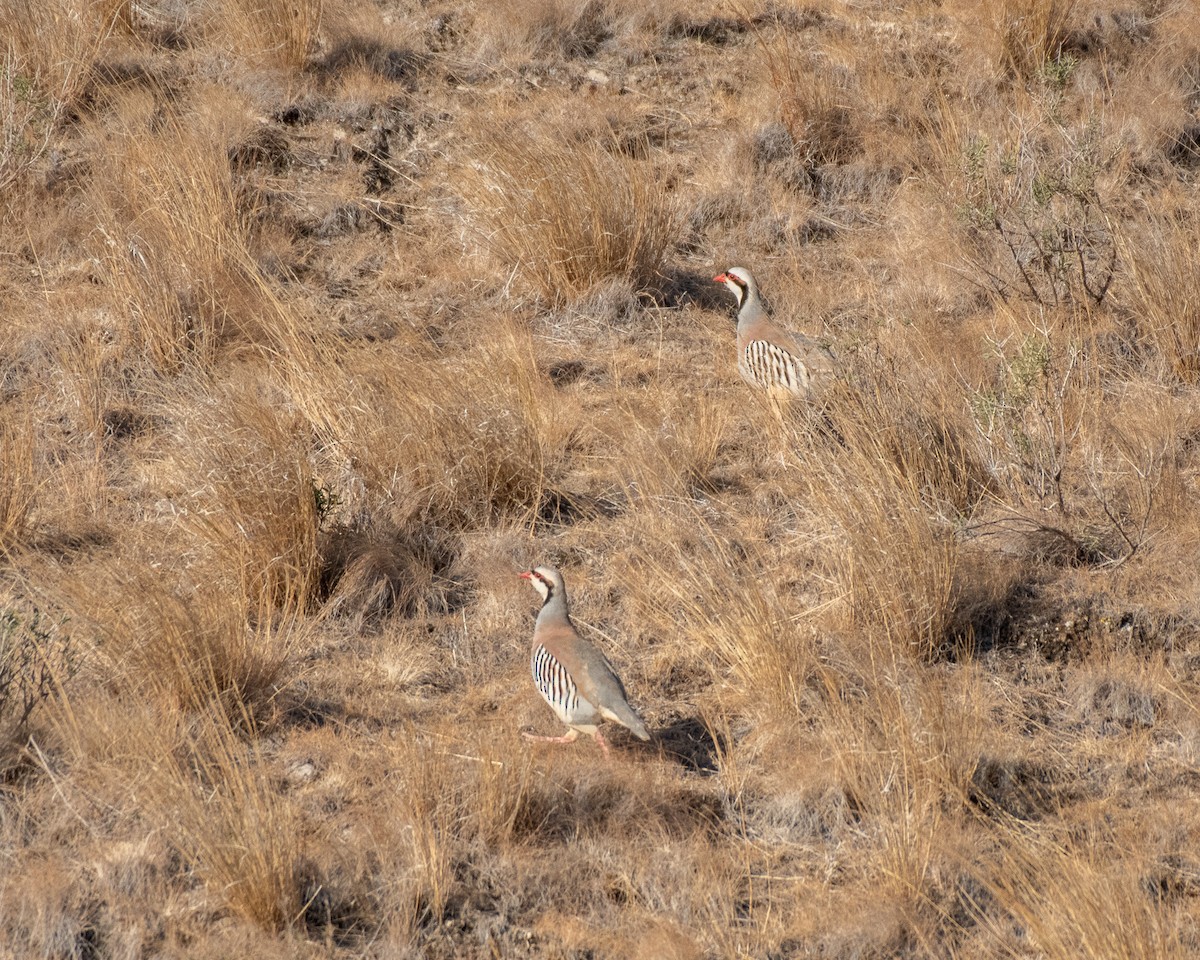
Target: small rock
<point x="301" y="771"/>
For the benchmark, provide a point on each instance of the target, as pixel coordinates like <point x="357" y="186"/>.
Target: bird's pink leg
<point x="568" y="737"/>
<point x="603" y="744"/>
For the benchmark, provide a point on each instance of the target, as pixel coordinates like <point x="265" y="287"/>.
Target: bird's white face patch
<point x="542" y="580"/>
<point x="733" y="280"/>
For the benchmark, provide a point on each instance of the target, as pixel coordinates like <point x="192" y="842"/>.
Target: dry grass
<point x="816" y="103"/>
<point x="906" y="746"/>
<point x="448" y="800"/>
<point x="1030" y="33"/>
<point x="456" y="440"/>
<point x="720" y="599"/>
<point x="891" y="482"/>
<point x="563" y="212"/>
<point x="568" y="28"/>
<point x="172" y="237"/>
<point x="223" y="813"/>
<point x="280" y="33"/>
<point x="248" y="497"/>
<point x="49" y="50"/>
<point x="1163" y="290"/>
<point x="1074" y="898"/>
<point x="324" y="320"/>
<point x="549" y="31"/>
<point x="176" y="648"/>
<point x="19" y="491"/>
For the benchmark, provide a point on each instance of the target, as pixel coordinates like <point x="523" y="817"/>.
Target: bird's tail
<point x="625" y="716"/>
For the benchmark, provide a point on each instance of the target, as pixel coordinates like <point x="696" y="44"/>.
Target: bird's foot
<point x="603" y="745"/>
<point x="565" y="738"/>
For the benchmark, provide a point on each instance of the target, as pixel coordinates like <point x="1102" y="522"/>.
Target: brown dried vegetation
<point x="321" y="320"/>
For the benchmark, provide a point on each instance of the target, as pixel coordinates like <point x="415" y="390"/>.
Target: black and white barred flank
<point x="554" y="682"/>
<point x="771" y="366"/>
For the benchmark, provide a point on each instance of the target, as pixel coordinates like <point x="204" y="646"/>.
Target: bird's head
<point x="546" y="580"/>
<point x="737" y="279"/>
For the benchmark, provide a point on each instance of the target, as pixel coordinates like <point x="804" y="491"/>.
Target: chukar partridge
<point x="574" y="677"/>
<point x="783" y="363"/>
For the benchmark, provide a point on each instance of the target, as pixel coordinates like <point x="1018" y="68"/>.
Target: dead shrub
<point x="1031" y="413"/>
<point x="1083" y="486"/>
<point x="1037" y="228"/>
<point x="37" y="658"/>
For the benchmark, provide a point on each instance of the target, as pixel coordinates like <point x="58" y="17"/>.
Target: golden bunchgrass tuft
<point x="282" y="33"/>
<point x="248" y="496"/>
<point x="47" y="51"/>
<point x="454" y="441"/>
<point x="480" y="795"/>
<point x="215" y="796"/>
<point x="904" y="745"/>
<point x="816" y="105"/>
<point x="671" y="445"/>
<point x="1077" y="896"/>
<point x="1163" y="289"/>
<point x="374" y="572"/>
<point x="172" y="237"/>
<point x="427" y="804"/>
<point x="749" y="636"/>
<point x="1030" y="33"/>
<point x="542" y="28"/>
<point x="202" y="650"/>
<point x="18" y="490"/>
<point x="562" y="213"/>
<point x="182" y="647"/>
<point x="88" y="361"/>
<point x="882" y="479"/>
